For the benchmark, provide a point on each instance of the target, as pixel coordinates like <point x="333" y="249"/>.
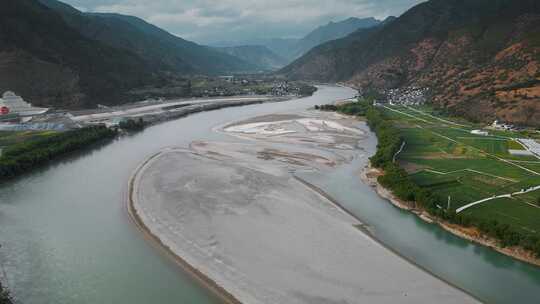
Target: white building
<point x="502" y="126"/>
<point x="480" y="132"/>
<point x="17" y="105"/>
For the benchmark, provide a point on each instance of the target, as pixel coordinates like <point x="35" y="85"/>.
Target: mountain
<point x="480" y="58"/>
<point x="290" y="48"/>
<point x="50" y="63"/>
<point x="282" y="47"/>
<point x="332" y="31"/>
<point x="157" y="46"/>
<point x="257" y="55"/>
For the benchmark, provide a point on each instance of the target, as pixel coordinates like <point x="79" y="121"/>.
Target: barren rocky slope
<point x="480" y="58"/>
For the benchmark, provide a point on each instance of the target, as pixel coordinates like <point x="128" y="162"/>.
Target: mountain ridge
<point x="480" y="58"/>
<point x="257" y="55"/>
<point x="292" y="48"/>
<point x="52" y="72"/>
<point x="333" y="31"/>
<point x="150" y="42"/>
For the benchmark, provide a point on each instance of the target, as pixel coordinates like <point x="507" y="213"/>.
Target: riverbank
<point x="161" y="112"/>
<point x="25" y="156"/>
<point x="369" y="176"/>
<point x="156" y="242"/>
<point x="244" y="225"/>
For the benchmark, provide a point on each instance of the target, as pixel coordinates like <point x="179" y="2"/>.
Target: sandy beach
<point x="237" y="218"/>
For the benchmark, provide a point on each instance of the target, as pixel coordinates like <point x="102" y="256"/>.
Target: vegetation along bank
<point x="436" y="196"/>
<point x="24" y="156"/>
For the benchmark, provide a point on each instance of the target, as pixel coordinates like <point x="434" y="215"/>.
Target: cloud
<point x="213" y="20"/>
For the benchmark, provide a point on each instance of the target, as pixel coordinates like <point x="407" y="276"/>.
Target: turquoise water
<point x="66" y="237"/>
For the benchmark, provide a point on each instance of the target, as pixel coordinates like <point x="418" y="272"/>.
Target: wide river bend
<point x="66" y="237"/>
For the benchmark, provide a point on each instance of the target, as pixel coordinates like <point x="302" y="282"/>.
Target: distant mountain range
<point x="290" y="49"/>
<point x="57" y="56"/>
<point x="257" y="55"/>
<point x="332" y="31"/>
<point x="480" y="58"/>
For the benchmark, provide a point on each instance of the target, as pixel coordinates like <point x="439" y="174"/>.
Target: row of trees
<point x="397" y="180"/>
<point x="22" y="157"/>
<point x="132" y="124"/>
<point x="358" y="108"/>
<point x="306" y="90"/>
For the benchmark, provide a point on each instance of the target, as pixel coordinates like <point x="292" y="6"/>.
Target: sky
<point x="210" y="21"/>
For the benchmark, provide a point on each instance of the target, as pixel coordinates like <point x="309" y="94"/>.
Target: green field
<point x="442" y="155"/>
<point x="512" y="212"/>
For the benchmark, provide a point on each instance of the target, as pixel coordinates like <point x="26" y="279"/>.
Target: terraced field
<point x="441" y="154"/>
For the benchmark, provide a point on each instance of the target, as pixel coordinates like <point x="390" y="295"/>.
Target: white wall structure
<point x="480" y="132"/>
<point x="17" y="105"/>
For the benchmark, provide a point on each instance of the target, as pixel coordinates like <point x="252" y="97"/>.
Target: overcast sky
<point x="206" y="21"/>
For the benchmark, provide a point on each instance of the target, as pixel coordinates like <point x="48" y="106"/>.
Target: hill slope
<point x="162" y="49"/>
<point x="257" y="55"/>
<point x="332" y="31"/>
<point x="479" y="57"/>
<point x="49" y="63"/>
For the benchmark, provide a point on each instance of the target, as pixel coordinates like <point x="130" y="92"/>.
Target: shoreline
<point x="365" y="229"/>
<point x="156" y="242"/>
<point x="369" y="176"/>
<point x="207" y="282"/>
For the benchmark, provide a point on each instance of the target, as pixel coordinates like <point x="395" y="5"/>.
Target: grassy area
<point x="513" y="212"/>
<point x="444" y="166"/>
<point x="34" y="150"/>
<point x="8" y="138"/>
<point x="443" y="156"/>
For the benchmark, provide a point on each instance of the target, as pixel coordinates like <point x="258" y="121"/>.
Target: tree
<point x="24" y="156"/>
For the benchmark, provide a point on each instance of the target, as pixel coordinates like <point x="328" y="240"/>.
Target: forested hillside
<point x="157" y="46"/>
<point x="49" y="63"/>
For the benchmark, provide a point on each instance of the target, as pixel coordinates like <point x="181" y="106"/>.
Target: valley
<point x="269" y="152"/>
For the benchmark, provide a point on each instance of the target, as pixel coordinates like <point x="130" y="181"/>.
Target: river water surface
<point x="66" y="236"/>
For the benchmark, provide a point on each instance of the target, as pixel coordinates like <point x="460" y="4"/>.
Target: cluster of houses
<point x="283" y="89"/>
<point x="408" y="96"/>
<point x="502" y="126"/>
<point x="242" y="85"/>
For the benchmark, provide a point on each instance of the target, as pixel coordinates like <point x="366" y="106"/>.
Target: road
<point x="509" y="195"/>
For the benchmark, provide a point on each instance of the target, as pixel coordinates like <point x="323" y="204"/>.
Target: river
<point x="66" y="237"/>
